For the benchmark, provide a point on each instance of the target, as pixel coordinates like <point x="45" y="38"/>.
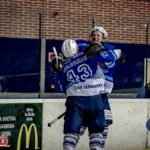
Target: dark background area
<point x="20" y="66"/>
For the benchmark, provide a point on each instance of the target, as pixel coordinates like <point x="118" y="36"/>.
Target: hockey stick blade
<point x="55" y="120"/>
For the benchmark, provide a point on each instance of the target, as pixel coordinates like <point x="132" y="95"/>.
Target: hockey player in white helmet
<point x="82" y="80"/>
<point x="99" y="29"/>
<point x="69" y="48"/>
<point x="97" y="38"/>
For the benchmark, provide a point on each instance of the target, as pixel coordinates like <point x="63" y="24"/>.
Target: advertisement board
<point x="21" y="126"/>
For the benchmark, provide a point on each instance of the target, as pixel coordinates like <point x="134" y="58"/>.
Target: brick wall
<point x="61" y="19"/>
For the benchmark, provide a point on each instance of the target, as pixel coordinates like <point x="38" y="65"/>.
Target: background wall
<point x="20" y="66"/>
<point x="60" y="19"/>
<point x="25" y="23"/>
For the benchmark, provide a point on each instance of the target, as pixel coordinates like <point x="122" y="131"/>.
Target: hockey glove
<point x="57" y="64"/>
<point x="93" y="49"/>
<point x="122" y="58"/>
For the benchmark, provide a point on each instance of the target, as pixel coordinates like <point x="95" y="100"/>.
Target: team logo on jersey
<point x="104" y="54"/>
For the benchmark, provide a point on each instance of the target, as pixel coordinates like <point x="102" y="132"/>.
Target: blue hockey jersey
<point x="82" y="76"/>
<point x="107" y="67"/>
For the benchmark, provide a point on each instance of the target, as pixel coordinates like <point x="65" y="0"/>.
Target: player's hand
<point x="56" y="67"/>
<point x="93" y="49"/>
<point x="121" y="59"/>
<point x="120" y="56"/>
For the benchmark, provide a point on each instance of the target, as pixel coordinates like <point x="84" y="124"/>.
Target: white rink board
<point x="127" y="132"/>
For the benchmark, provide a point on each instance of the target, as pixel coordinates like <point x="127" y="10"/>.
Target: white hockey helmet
<point x="69" y="48"/>
<point x="99" y="29"/>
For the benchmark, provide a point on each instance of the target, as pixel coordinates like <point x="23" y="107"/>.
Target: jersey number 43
<point x="83" y="72"/>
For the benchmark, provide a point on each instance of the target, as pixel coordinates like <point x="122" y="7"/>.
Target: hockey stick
<point x="56" y="119"/>
<point x="56" y="56"/>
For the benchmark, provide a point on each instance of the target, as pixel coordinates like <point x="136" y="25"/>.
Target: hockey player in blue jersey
<point x="99" y="34"/>
<point x="82" y="82"/>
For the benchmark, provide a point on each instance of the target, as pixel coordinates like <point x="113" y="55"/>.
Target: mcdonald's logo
<point x="28" y="135"/>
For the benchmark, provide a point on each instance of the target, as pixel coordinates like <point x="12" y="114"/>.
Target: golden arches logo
<point x="28" y="135"/>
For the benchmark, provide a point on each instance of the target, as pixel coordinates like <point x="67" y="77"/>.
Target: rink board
<point x="127" y="132"/>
